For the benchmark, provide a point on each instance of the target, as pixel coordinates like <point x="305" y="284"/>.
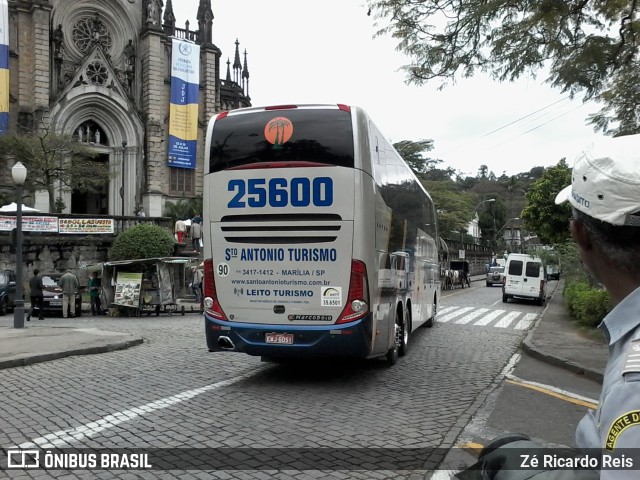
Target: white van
<point x="524" y="277"/>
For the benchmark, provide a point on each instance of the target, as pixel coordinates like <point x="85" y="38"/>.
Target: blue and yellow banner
<point x="4" y="66"/>
<point x="183" y="109"/>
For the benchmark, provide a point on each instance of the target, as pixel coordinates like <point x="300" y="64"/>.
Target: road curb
<point x="530" y="349"/>
<point x="45" y="357"/>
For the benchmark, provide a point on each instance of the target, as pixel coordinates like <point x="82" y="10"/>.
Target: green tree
<point x="184" y="208"/>
<point x="541" y="214"/>
<point x="142" y="241"/>
<point x="454" y="207"/>
<point x="413" y="154"/>
<point x="54" y="160"/>
<point x="588" y="46"/>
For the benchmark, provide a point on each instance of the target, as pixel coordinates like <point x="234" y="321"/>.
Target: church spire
<point x="245" y="68"/>
<point x="245" y="75"/>
<point x="169" y="18"/>
<point x="237" y="65"/>
<point x="205" y="22"/>
<point x="228" y="79"/>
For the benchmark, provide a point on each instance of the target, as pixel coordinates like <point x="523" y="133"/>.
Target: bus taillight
<point x="358" y="299"/>
<point x="211" y="303"/>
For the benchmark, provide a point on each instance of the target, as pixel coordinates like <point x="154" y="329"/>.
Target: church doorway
<point x="92" y="203"/>
<point x="95" y="202"/>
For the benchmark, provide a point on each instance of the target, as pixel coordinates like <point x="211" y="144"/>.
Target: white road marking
<point x="443" y="474"/>
<point x="454" y="314"/>
<point x="507" y="319"/>
<point x="487" y="319"/>
<point x="526" y="321"/>
<point x="445" y="310"/>
<point x="471" y="316"/>
<point x="64" y="438"/>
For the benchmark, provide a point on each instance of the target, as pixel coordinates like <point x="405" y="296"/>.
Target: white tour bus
<point x="318" y="238"/>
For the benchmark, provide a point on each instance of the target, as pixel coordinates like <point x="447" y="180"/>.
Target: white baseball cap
<point x="605" y="181"/>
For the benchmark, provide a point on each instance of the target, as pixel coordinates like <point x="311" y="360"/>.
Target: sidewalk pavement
<point x="35" y="343"/>
<point x="553" y="339"/>
<point x="556" y="340"/>
<point x="40" y="343"/>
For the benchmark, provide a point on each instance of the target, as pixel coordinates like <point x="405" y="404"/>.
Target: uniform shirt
<point x="616" y="422"/>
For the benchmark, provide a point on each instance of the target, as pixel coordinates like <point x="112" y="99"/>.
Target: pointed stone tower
<point x="101" y="71"/>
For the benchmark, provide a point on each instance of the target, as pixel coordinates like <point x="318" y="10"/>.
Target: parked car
<point x="495" y="276"/>
<point x="7" y="291"/>
<point x="52" y="294"/>
<point x="553" y="272"/>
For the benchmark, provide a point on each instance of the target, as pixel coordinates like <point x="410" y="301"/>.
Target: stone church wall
<point x="51" y="253"/>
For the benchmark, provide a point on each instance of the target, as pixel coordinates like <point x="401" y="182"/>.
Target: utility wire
<point x="537" y="126"/>
<point x="444" y="154"/>
<point x="522" y="118"/>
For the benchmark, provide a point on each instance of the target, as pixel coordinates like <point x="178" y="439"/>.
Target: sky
<point x="312" y="51"/>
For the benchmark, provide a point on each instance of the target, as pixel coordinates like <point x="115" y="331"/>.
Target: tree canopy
<point x="588" y="46"/>
<point x="541" y="214"/>
<point x="55" y="160"/>
<point x="413" y="153"/>
<point x="142" y="241"/>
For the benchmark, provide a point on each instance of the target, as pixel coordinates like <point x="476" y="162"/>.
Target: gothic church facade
<point x="100" y="70"/>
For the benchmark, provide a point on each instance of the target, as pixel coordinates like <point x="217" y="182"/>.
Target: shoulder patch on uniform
<point x="632" y="361"/>
<point x="619" y="425"/>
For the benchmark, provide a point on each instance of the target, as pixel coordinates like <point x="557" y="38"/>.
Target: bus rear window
<point x="294" y="135"/>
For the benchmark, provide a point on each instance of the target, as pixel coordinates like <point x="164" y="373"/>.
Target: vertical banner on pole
<point x="4" y="66"/>
<point x="183" y="110"/>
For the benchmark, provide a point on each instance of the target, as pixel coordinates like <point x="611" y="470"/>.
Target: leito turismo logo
<point x="278" y="131"/>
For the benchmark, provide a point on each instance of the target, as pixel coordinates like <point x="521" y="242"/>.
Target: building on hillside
<point x="473" y="229"/>
<point x="102" y="71"/>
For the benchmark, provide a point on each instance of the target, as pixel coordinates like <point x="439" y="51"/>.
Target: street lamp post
<point x="124" y="149"/>
<point x="19" y="175"/>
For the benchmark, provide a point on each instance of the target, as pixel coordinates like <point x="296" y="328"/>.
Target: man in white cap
<point x="605" y="196"/>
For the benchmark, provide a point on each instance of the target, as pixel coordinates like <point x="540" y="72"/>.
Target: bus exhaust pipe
<point x="225" y="343"/>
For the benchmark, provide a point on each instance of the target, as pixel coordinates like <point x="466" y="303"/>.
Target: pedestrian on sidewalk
<point x="180" y="228"/>
<point x="196" y="284"/>
<point x="69" y="285"/>
<point x="95" y="288"/>
<point x="196" y="234"/>
<point x="605" y="199"/>
<point x="36" y="295"/>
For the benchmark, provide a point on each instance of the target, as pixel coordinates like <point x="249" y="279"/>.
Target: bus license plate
<point x="281" y="338"/>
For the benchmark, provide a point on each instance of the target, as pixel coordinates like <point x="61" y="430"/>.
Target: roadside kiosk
<point x="147" y="285"/>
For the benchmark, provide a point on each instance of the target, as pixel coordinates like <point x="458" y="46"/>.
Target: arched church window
<point x="90" y="31"/>
<point x="97" y="73"/>
<point x="91" y="132"/>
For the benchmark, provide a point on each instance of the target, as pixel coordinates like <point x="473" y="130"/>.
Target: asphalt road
<point x="170" y="393"/>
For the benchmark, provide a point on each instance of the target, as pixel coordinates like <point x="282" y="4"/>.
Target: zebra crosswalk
<point x="485" y="317"/>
